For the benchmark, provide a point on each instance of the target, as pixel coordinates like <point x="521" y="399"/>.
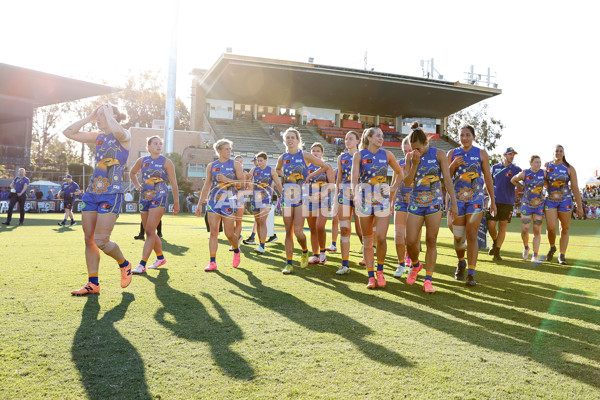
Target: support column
<point x="255" y="111"/>
<point x="399" y="124"/>
<point x="377" y="120"/>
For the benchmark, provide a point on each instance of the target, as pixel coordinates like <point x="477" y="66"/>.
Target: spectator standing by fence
<point x="18" y="194"/>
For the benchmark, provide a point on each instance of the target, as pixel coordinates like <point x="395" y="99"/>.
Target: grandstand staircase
<point x="310" y="135"/>
<point x="247" y="136"/>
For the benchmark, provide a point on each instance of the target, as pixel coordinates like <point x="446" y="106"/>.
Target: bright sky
<point x="544" y="53"/>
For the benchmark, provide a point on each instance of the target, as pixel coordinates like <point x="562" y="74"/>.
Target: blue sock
<point x="428" y="277"/>
<point x="94" y="280"/>
<point x="462" y="263"/>
<point x="401" y="264"/>
<point x="262" y="245"/>
<point x="252" y="235"/>
<point x="379" y="267"/>
<point x="471" y="271"/>
<point x="123" y="264"/>
<point x="289" y="261"/>
<point x="526" y="247"/>
<point x="345" y="263"/>
<point x="64" y="221"/>
<point x="334" y="244"/>
<point x="213" y="259"/>
<point x="553" y="248"/>
<point x="162" y="257"/>
<point x="236" y="250"/>
<point x="72" y="220"/>
<point x="371" y="274"/>
<point x="143" y="262"/>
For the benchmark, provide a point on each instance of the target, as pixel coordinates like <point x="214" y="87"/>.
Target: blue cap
<point x="510" y="150"/>
<point x="68" y="176"/>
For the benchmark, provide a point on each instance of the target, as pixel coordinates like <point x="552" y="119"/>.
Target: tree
<point x="80" y="171"/>
<point x="495" y="159"/>
<point x="83" y="108"/>
<point x="182" y="182"/>
<point x="143" y="99"/>
<point x="487" y="129"/>
<point x="44" y="129"/>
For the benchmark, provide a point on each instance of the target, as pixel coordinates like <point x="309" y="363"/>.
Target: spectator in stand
<point x="18" y="190"/>
<point x="39" y="195"/>
<point x="3" y="194"/>
<point x="50" y="195"/>
<point x="189" y="202"/>
<point x="31" y="195"/>
<point x="504" y="190"/>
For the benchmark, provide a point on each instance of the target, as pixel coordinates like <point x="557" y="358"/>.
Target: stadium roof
<point x="252" y="80"/>
<point x="21" y="86"/>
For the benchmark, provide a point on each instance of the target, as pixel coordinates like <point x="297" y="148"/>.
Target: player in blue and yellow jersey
<point x="103" y="200"/>
<point x="344" y="208"/>
<point x="401" y="193"/>
<point x="372" y="199"/>
<point x="504" y="190"/>
<point x="425" y="167"/>
<point x="562" y="185"/>
<point x="222" y="176"/>
<point x="293" y="167"/>
<point x="532" y="208"/>
<point x="68" y="190"/>
<point x="155" y="168"/>
<point x="263" y="178"/>
<point x="321" y="190"/>
<point x="470" y="168"/>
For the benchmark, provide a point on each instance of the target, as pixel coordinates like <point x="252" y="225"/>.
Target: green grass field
<point x="180" y="333"/>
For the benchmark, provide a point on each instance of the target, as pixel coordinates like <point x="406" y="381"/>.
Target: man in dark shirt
<point x="18" y="189"/>
<point x="504" y="193"/>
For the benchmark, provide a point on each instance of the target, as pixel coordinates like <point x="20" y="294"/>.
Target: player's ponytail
<point x="417" y="134"/>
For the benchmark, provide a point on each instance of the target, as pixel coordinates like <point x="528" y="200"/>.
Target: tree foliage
<point x="143" y="99"/>
<point x="488" y="130"/>
<point x="182" y="181"/>
<point x="50" y="155"/>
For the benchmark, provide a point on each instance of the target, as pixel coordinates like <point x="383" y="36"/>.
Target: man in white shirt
<point x="128" y="196"/>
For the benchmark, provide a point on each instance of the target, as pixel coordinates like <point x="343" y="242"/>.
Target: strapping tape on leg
<point x="459" y="232"/>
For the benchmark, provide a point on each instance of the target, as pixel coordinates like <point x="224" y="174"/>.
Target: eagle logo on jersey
<point x="560" y="181"/>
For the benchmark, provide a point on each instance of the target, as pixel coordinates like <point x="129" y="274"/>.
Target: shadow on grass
<point x="503" y="319"/>
<point x="174" y="249"/>
<point x="314" y="319"/>
<point x="110" y="367"/>
<point x="194" y="323"/>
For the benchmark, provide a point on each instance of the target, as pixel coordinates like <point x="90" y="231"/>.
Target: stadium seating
<point x="253" y="136"/>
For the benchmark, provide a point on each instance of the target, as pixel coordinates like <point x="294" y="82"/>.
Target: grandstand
<point x="250" y="137"/>
<point x="250" y="100"/>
